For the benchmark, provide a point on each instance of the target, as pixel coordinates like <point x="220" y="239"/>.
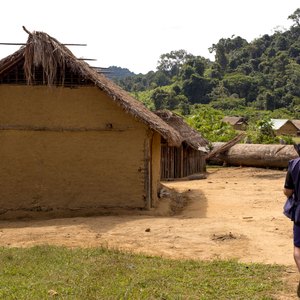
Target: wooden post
<point x="181" y="161"/>
<point x="148" y="170"/>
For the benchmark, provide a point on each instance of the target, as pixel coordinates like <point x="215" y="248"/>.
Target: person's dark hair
<point x="297" y="148"/>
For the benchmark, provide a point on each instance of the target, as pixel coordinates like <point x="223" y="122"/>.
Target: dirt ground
<point x="233" y="213"/>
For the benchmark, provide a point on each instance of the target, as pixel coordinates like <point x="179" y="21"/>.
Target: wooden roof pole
<point x="24" y="28"/>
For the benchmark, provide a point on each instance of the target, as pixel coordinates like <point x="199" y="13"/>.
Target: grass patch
<point x="47" y="272"/>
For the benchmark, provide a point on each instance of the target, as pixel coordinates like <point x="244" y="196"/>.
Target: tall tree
<point x="170" y="63"/>
<point x="220" y="54"/>
<point x="295" y="17"/>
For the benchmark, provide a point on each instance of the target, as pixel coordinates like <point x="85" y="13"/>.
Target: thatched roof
<point x="234" y="120"/>
<point x="189" y="135"/>
<point x="43" y="51"/>
<point x="296" y="123"/>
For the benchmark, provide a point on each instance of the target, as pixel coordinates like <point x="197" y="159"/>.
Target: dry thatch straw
<point x="42" y="50"/>
<point x="191" y="136"/>
<point x="45" y="52"/>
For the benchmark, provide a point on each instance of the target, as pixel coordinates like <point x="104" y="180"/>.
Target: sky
<point x="134" y="34"/>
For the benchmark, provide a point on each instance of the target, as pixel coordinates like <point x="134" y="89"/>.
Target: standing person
<point x="292" y="188"/>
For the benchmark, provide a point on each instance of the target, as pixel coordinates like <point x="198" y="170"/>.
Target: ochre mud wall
<point x="67" y="149"/>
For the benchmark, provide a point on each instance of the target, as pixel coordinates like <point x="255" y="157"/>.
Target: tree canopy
<point x="263" y="74"/>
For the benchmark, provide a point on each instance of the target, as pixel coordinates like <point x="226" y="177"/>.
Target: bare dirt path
<point x="234" y="213"/>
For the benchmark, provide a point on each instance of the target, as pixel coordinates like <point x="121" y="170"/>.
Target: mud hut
<point x="284" y="127"/>
<point x="72" y="141"/>
<point x="189" y="157"/>
<point x="297" y="124"/>
<point x="238" y="123"/>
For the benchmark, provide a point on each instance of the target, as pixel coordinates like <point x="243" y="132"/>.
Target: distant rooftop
<point x="278" y="123"/>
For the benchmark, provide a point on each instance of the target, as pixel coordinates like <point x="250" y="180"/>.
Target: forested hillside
<point x="263" y="74"/>
<point x="117" y="73"/>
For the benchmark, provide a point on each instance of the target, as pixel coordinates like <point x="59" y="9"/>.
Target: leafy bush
<point x="208" y="122"/>
<point x="261" y="132"/>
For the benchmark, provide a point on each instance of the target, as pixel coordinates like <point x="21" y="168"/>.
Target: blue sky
<point x="134" y="33"/>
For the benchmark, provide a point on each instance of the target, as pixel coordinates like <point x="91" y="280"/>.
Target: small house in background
<point x="72" y="141"/>
<point x="189" y="158"/>
<point x="238" y="123"/>
<point x="297" y="124"/>
<point x="284" y="127"/>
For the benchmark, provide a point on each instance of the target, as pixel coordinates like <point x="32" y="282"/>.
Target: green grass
<point x="40" y="272"/>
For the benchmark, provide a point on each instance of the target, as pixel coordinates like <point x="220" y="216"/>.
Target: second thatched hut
<point x="189" y="157"/>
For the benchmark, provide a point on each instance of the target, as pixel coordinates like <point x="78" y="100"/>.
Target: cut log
<point x="255" y="155"/>
<point x="225" y="147"/>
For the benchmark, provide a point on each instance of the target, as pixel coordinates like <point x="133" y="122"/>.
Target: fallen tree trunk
<point x="255" y="155"/>
<point x="225" y="146"/>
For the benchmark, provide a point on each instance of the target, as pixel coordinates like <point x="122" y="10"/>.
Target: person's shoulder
<point x="294" y="162"/>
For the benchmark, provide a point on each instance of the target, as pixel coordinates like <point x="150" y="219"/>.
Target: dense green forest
<point x="257" y="80"/>
<point x="117" y="73"/>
